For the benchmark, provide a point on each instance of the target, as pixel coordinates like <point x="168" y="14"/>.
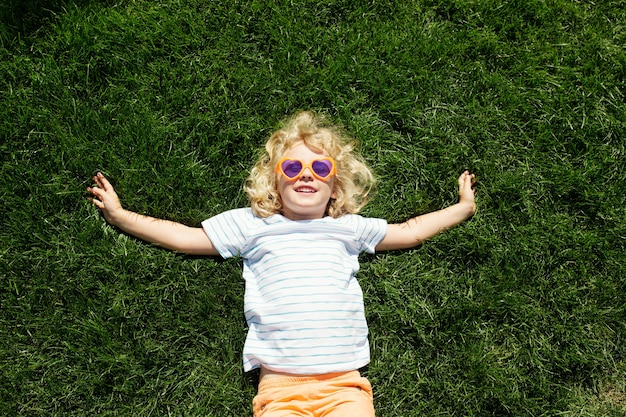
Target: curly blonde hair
<point x="353" y="182"/>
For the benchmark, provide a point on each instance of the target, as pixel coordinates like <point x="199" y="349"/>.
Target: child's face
<point x="305" y="197"/>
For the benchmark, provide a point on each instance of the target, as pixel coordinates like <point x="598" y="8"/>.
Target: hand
<point x="105" y="198"/>
<point x="466" y="190"/>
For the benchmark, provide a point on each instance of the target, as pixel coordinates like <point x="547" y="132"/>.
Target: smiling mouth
<point x="306" y="190"/>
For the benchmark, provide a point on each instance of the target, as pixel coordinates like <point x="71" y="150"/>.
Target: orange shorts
<point x="345" y="394"/>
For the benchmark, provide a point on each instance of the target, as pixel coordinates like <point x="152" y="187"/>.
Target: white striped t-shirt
<point x="303" y="304"/>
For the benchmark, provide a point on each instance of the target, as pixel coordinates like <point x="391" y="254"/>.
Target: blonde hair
<point x="353" y="182"/>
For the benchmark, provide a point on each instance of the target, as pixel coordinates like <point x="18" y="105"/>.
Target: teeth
<point x="305" y="190"/>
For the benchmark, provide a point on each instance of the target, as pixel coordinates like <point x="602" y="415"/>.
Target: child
<point x="300" y="241"/>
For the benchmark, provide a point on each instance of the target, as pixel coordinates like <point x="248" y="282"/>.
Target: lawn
<point x="520" y="311"/>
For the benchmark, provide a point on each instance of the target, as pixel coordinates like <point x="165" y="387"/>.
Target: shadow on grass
<point x="23" y="18"/>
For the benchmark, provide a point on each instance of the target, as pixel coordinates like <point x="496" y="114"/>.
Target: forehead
<point x="303" y="152"/>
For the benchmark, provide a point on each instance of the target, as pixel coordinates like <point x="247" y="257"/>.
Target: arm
<point x="418" y="229"/>
<point x="167" y="234"/>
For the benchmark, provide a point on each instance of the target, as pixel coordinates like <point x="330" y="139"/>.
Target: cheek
<point x="281" y="187"/>
<point x="279" y="184"/>
<point x="333" y="189"/>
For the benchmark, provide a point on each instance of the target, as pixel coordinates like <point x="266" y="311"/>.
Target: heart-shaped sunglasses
<point x="322" y="168"/>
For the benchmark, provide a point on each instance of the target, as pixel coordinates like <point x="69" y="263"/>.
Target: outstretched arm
<point x="421" y="228"/>
<point x="167" y="234"/>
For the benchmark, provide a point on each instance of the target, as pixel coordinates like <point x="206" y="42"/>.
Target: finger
<point x="97" y="203"/>
<point x="96" y="192"/>
<point x="95" y="198"/>
<point x="99" y="178"/>
<point x="472" y="184"/>
<point x="466" y="185"/>
<point x="463" y="179"/>
<point x="103" y="182"/>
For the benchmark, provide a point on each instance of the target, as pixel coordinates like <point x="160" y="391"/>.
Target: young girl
<point x="300" y="241"/>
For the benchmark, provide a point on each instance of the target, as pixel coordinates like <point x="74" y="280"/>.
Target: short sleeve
<point x="228" y="231"/>
<point x="369" y="232"/>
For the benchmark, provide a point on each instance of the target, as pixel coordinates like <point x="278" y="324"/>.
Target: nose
<point x="306" y="174"/>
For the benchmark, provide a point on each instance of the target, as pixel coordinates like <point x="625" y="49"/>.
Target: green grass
<point x="518" y="312"/>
